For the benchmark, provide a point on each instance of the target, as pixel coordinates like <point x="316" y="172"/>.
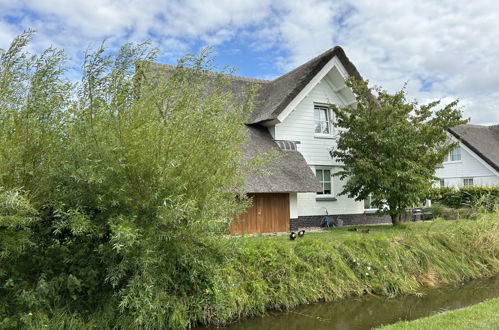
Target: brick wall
<point x="348" y="220"/>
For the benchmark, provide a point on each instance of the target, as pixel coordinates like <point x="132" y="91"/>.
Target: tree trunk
<point x="395" y="219"/>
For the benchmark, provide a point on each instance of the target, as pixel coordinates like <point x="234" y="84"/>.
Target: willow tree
<point x="390" y="147"/>
<point x="117" y="187"/>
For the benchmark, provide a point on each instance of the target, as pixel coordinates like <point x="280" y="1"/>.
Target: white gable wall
<point x="299" y="126"/>
<point x="470" y="166"/>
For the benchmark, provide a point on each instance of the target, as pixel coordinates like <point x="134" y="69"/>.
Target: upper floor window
<point x="322" y="119"/>
<point x="454" y="155"/>
<point x="324" y="177"/>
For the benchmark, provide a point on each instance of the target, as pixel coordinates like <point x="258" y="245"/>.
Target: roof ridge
<point x="307" y="63"/>
<point x="480" y="126"/>
<point x="229" y="75"/>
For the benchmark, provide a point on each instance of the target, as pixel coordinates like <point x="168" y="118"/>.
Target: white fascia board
<point x="305" y="91"/>
<point x="480" y="160"/>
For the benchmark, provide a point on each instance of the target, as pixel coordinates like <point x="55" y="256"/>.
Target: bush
<point x="449" y="213"/>
<point x="483" y="198"/>
<point x="132" y="176"/>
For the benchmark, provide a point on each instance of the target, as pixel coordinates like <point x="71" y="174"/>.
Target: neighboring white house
<point x="475" y="162"/>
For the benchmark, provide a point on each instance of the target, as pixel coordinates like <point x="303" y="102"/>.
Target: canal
<point x="373" y="311"/>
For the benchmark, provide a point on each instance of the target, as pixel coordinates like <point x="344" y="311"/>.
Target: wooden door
<point x="269" y="213"/>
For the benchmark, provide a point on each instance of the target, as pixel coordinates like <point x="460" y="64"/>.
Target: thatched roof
<point x="482" y="140"/>
<point x="274" y="95"/>
<point x="277" y="94"/>
<point x="288" y="172"/>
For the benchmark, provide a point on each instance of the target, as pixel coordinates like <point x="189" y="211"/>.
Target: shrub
<point x="132" y="176"/>
<point x="483" y="198"/>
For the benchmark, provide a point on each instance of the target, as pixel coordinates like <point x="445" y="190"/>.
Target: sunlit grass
<point x="483" y="316"/>
<point x="375" y="231"/>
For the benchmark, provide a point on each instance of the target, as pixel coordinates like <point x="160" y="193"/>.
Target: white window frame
<point x="369" y="201"/>
<point x="328" y="121"/>
<point x="454" y="156"/>
<point x="323" y="181"/>
<point x="467" y="181"/>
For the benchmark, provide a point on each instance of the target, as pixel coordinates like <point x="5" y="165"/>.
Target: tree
<point x="114" y="191"/>
<point x="390" y="147"/>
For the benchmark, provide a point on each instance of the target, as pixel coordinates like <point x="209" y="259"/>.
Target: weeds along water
<point x="255" y="275"/>
<point x="273" y="273"/>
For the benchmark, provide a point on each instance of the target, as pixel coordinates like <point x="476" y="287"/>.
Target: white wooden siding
<point x="299" y="125"/>
<point x="470" y="166"/>
<point x="308" y="205"/>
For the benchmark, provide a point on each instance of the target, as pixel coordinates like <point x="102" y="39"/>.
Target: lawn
<point x="482" y="316"/>
<point x="375" y="232"/>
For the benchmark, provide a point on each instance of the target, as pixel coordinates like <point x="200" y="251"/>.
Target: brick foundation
<point x="348" y="220"/>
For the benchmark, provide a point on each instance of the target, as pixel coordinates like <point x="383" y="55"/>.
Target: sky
<point x="441" y="49"/>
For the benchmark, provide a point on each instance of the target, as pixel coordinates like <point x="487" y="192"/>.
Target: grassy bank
<point x="275" y="273"/>
<point x="255" y="274"/>
<point x="480" y="316"/>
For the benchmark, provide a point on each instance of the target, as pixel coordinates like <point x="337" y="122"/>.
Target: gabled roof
<point x="288" y="172"/>
<point x="277" y="94"/>
<point x="482" y="140"/>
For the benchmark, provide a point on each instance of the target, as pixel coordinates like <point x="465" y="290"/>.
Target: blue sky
<point x="443" y="49"/>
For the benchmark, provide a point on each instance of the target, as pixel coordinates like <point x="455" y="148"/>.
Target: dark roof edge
<point x="326" y="57"/>
<point x="475" y="150"/>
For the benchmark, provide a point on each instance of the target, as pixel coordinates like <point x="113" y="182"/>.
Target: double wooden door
<point x="269" y="213"/>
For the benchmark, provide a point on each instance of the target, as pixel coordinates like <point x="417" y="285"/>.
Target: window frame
<point x="454" y="153"/>
<point x="442" y="183"/>
<point x="370" y="201"/>
<point x="328" y="121"/>
<point x="322" y="169"/>
<point x="467" y="185"/>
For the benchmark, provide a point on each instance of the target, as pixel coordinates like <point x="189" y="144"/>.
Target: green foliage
<point x="484" y="199"/>
<point x="115" y="190"/>
<point x="275" y="273"/>
<point x="256" y="274"/>
<point x="448" y="213"/>
<point x="390" y="147"/>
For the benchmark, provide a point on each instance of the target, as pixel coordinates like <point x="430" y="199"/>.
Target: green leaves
<point x="131" y="175"/>
<point x="390" y="147"/>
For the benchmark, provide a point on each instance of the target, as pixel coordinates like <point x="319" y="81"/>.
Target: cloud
<point x="442" y="49"/>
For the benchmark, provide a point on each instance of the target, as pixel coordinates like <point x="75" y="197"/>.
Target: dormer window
<point x="322" y="119"/>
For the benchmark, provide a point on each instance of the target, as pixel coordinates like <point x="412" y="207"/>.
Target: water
<point x="369" y="312"/>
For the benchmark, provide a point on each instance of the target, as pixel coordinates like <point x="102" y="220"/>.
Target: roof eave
<point x="475" y="150"/>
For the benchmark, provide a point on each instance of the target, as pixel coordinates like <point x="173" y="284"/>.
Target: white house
<point x="475" y="162"/>
<point x="292" y="118"/>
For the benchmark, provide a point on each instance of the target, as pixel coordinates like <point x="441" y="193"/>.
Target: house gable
<point x="482" y="140"/>
<point x="334" y="75"/>
<point x="282" y="94"/>
<point x="471" y="165"/>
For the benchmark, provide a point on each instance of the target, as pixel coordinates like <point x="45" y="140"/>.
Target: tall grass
<point x="273" y="274"/>
<point x="262" y="273"/>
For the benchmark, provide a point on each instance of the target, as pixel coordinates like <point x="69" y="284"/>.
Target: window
<point x="442" y="183"/>
<point x="324" y="177"/>
<point x="322" y="120"/>
<point x="454" y="155"/>
<point x="368" y="202"/>
<point x="468" y="182"/>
